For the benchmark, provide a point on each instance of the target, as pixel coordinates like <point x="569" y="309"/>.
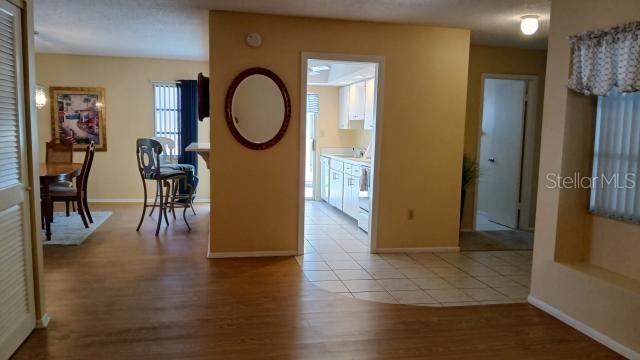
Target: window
<point x="614" y="192"/>
<point x="166" y="105"/>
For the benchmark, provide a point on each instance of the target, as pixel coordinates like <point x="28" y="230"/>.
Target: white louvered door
<point x="17" y="313"/>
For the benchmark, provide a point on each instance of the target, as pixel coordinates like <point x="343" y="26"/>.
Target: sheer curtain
<point x="616" y="162"/>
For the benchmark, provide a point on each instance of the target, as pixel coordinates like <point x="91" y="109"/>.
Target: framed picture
<point x="78" y="116"/>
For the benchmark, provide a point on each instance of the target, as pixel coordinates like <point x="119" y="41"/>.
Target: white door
<point x="17" y="312"/>
<point x="501" y="149"/>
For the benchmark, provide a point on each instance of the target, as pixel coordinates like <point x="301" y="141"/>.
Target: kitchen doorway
<point x="340" y="129"/>
<point x="506" y="188"/>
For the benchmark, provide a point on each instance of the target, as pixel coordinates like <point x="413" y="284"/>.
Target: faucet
<point x="358" y="151"/>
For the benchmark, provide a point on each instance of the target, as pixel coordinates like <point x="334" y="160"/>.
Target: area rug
<point x="496" y="240"/>
<point x="70" y="230"/>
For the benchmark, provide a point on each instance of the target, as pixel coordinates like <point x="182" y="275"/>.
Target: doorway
<point x="505" y="190"/>
<point x="341" y="108"/>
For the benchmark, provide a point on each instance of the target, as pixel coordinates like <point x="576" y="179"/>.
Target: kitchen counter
<point x="350" y="159"/>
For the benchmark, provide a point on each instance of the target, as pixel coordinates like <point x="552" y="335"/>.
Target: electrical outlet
<point x="410" y="214"/>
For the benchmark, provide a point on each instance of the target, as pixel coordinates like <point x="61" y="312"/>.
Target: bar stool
<point x="148" y="156"/>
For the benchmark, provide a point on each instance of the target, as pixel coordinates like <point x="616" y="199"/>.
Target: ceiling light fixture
<point x="529" y="24"/>
<point x="320" y="68"/>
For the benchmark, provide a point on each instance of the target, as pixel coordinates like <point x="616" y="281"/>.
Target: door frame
<point x="375" y="166"/>
<point x="528" y="151"/>
<point x="315" y="193"/>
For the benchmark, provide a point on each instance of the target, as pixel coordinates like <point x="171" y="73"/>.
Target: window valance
<point x="605" y="59"/>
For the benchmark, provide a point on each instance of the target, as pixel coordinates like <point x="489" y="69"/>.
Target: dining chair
<point x="59" y="152"/>
<point x="148" y="152"/>
<point x="76" y="194"/>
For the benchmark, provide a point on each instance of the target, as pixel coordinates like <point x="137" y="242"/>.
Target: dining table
<point x="51" y="173"/>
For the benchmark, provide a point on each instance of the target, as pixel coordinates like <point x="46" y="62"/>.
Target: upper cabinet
<point x="370" y="104"/>
<point x="357" y="105"/>
<point x="356" y="101"/>
<point x="343" y="106"/>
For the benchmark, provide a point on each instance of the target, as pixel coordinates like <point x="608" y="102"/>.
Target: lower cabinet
<point x="350" y="196"/>
<point x="340" y="185"/>
<point x="335" y="188"/>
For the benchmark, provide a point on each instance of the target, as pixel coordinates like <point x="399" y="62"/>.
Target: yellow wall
<point x="329" y="135"/>
<point x="583" y="266"/>
<point x="129" y="111"/>
<point x="425" y="81"/>
<point x="495" y="60"/>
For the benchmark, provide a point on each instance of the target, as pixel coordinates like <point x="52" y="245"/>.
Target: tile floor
<point x="337" y="259"/>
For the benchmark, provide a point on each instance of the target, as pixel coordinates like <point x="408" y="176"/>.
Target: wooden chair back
<point x="83" y="179"/>
<point x="59" y="152"/>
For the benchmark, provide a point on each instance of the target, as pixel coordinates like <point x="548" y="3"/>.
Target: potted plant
<point x="470" y="173"/>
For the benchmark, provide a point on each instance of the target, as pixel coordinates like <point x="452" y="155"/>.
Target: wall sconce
<point x="41" y="97"/>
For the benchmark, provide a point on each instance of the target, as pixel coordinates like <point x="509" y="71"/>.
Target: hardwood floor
<point x="128" y="295"/>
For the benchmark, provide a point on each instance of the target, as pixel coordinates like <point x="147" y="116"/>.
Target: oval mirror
<point x="257" y="108"/>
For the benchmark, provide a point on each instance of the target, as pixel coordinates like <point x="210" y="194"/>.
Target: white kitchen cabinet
<point x="325" y="178"/>
<point x="343" y="105"/>
<point x="335" y="188"/>
<point x="350" y="196"/>
<point x="351" y="106"/>
<point x="357" y="95"/>
<point x="370" y="104"/>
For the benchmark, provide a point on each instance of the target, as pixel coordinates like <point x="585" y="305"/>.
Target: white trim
<point x="529" y="133"/>
<point x="377" y="141"/>
<point x="584" y="328"/>
<point x="247" y="254"/>
<point x="43" y="322"/>
<point x="435" y="249"/>
<point x="137" y="201"/>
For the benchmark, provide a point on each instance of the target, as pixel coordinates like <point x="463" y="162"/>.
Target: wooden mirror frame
<point x="228" y="104"/>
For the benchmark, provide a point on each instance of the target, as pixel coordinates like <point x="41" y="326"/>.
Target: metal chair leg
<point x="144" y="205"/>
<point x="155" y="201"/>
<point x="66" y="208"/>
<point x="191" y="206"/>
<point x="160" y="209"/>
<point x="174" y="191"/>
<point x="167" y="203"/>
<point x="184" y="216"/>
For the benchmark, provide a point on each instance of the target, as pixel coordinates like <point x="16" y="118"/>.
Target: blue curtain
<point x="188" y="120"/>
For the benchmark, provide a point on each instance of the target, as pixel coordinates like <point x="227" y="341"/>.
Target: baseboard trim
<point x="466" y="230"/>
<point x="248" y="254"/>
<point x="136" y="201"/>
<point x="584" y="328"/>
<point x="437" y="249"/>
<point x="43" y="322"/>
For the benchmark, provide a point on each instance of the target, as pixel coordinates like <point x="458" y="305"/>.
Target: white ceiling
<point x="338" y="73"/>
<point x="179" y="28"/>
